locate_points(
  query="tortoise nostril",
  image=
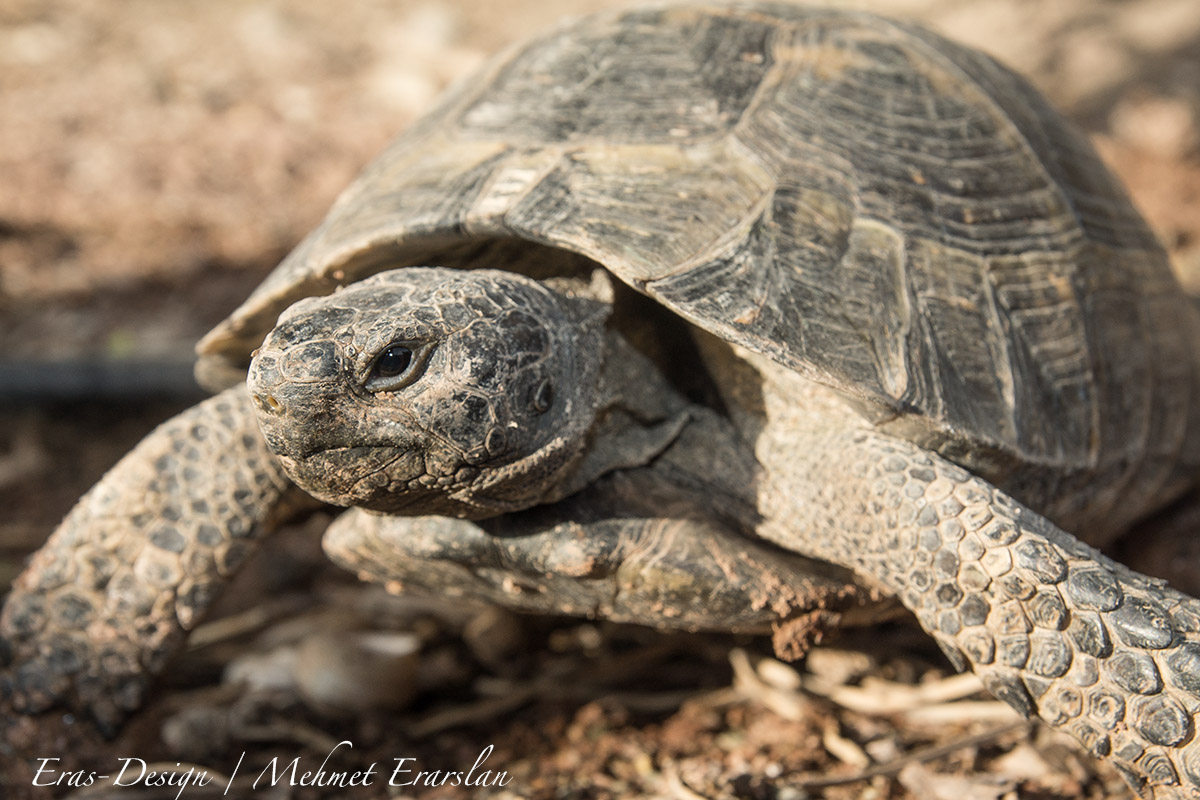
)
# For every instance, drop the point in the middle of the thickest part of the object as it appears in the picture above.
(268, 403)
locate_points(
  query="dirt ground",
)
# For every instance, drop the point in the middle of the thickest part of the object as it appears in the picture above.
(158, 157)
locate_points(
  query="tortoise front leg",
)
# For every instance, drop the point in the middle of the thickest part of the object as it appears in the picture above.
(132, 568)
(674, 572)
(1053, 627)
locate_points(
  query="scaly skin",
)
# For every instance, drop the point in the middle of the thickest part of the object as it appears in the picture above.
(136, 563)
(1052, 626)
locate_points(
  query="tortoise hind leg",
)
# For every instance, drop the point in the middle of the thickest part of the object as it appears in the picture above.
(109, 598)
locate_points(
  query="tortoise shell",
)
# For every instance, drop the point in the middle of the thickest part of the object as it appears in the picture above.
(862, 201)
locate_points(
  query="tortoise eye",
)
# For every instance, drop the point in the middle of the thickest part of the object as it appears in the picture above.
(396, 366)
(392, 362)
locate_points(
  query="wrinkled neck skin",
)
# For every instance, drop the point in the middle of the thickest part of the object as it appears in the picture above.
(636, 418)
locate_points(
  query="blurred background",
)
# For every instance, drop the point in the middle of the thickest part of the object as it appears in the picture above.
(158, 157)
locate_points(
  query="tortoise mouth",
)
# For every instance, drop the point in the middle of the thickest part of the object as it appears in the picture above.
(387, 479)
(354, 475)
(353, 450)
(356, 460)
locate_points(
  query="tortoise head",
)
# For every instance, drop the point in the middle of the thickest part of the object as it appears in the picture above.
(431, 391)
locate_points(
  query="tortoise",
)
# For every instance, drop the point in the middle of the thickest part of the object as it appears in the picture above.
(704, 316)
